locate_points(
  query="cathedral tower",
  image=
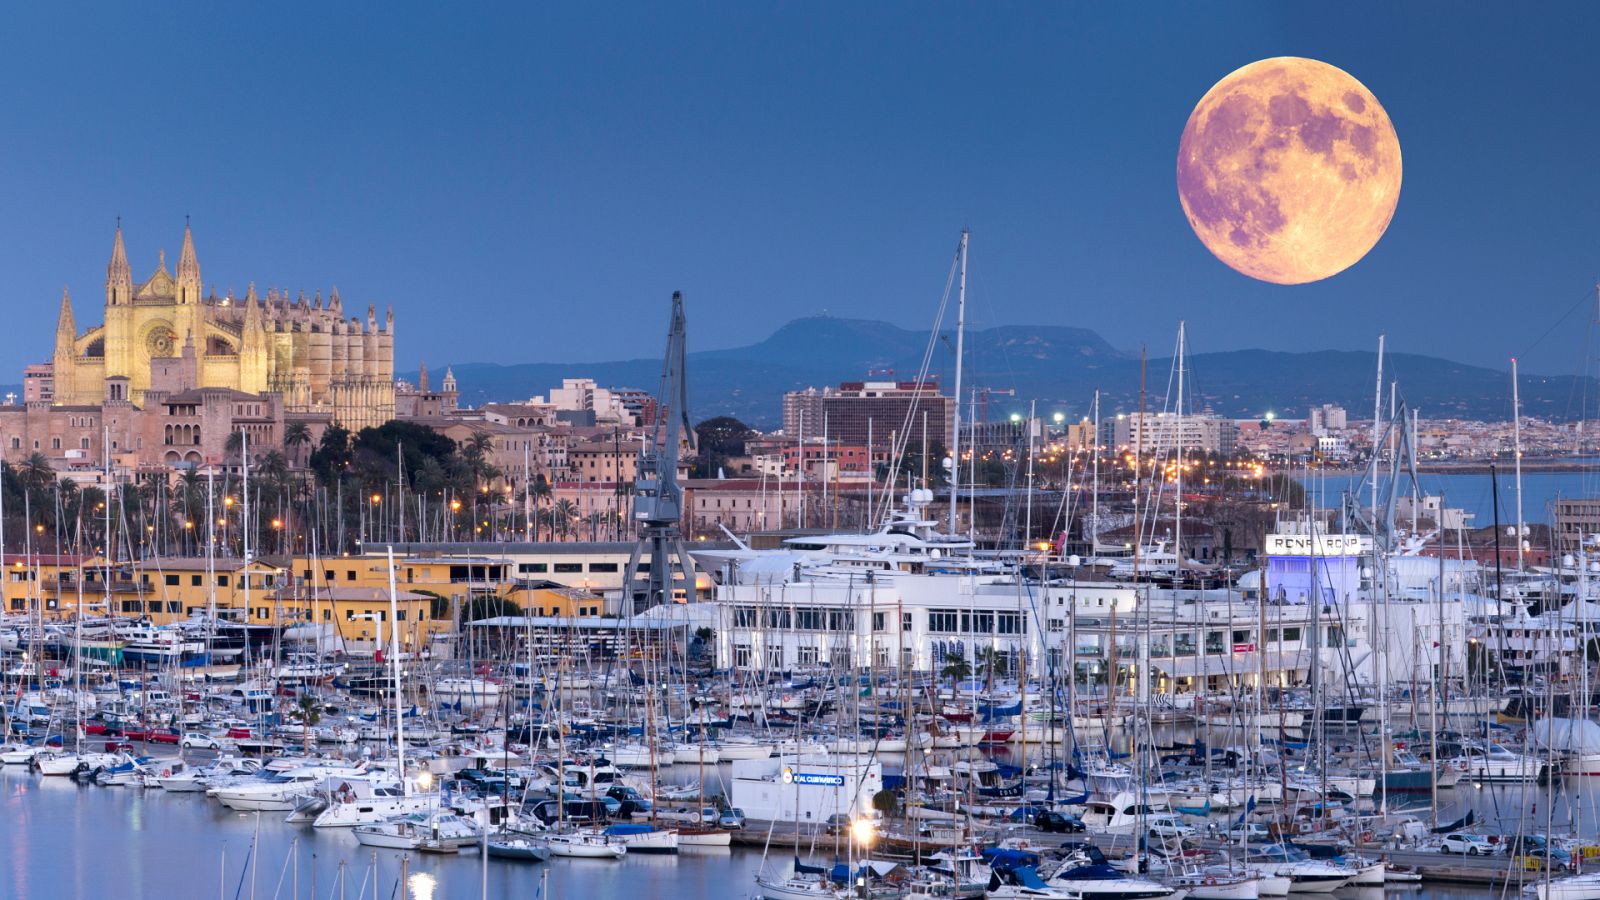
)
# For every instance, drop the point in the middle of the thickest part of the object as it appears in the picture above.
(66, 355)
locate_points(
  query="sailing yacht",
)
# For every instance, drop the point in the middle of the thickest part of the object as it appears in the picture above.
(585, 844)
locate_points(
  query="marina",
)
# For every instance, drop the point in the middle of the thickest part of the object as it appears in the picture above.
(899, 711)
(800, 452)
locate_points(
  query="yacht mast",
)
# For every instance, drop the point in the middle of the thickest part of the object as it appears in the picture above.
(1177, 499)
(394, 675)
(955, 428)
(1516, 454)
(1094, 457)
(1377, 426)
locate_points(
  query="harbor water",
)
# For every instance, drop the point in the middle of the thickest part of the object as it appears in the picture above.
(63, 840)
(1471, 492)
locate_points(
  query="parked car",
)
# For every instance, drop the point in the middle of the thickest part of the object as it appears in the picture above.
(731, 819)
(625, 795)
(574, 811)
(1169, 826)
(1540, 858)
(1050, 820)
(196, 740)
(1254, 832)
(1467, 844)
(838, 823)
(162, 736)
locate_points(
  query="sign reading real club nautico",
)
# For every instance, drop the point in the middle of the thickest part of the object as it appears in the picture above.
(790, 776)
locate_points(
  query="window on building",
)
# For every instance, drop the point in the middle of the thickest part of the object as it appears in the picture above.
(172, 580)
(55, 443)
(349, 574)
(567, 568)
(172, 606)
(602, 567)
(533, 568)
(1291, 634)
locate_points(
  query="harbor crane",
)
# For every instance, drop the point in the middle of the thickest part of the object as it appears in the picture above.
(658, 498)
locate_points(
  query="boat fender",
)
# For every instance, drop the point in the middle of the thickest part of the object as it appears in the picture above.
(1211, 879)
(166, 773)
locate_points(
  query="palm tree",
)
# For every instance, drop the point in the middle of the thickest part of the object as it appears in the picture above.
(310, 715)
(565, 512)
(992, 663)
(296, 437)
(541, 492)
(955, 668)
(37, 474)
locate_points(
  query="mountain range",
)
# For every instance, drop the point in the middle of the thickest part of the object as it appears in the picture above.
(1058, 367)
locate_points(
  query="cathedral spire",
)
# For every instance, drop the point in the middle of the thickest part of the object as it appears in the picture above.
(188, 268)
(65, 326)
(119, 276)
(252, 312)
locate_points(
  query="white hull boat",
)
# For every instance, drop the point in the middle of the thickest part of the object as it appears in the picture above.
(582, 845)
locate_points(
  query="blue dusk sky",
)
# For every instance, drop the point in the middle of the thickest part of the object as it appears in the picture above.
(530, 182)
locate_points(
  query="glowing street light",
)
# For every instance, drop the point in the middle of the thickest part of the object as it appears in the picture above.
(863, 831)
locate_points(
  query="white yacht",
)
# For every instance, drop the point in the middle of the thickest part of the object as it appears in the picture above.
(366, 802)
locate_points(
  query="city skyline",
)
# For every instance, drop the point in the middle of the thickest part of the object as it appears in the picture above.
(777, 164)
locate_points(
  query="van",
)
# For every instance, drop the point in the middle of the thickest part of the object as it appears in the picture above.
(580, 812)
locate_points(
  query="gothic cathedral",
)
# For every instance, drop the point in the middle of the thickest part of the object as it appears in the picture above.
(319, 361)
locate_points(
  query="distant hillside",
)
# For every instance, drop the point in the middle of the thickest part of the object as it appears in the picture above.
(1059, 367)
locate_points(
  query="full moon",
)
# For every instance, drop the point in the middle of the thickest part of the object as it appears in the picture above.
(1289, 170)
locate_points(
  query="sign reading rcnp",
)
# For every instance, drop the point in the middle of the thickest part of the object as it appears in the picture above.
(790, 776)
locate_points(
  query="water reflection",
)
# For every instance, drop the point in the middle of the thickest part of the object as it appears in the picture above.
(421, 885)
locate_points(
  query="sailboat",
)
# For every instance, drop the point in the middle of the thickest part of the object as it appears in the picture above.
(371, 802)
(585, 844)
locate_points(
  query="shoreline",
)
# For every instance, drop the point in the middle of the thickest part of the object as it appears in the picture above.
(1476, 467)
